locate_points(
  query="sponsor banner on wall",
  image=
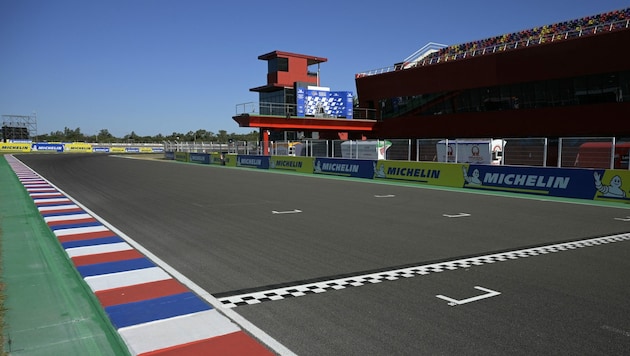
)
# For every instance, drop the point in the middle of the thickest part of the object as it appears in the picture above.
(344, 167)
(291, 163)
(202, 158)
(557, 182)
(15, 147)
(157, 149)
(181, 156)
(132, 149)
(230, 159)
(216, 158)
(261, 162)
(442, 174)
(47, 147)
(611, 185)
(77, 147)
(100, 149)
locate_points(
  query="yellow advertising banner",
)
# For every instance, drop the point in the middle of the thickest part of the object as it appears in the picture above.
(442, 174)
(230, 159)
(292, 163)
(117, 150)
(77, 147)
(15, 147)
(613, 185)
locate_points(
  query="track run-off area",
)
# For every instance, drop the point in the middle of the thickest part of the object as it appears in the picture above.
(334, 266)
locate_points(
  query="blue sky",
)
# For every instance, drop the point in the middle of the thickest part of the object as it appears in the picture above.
(158, 67)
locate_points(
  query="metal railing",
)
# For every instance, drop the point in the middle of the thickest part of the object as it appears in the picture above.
(290, 110)
(565, 152)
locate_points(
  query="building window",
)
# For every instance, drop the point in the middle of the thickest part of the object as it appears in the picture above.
(593, 89)
(278, 65)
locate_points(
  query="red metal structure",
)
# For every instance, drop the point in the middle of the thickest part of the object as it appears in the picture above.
(276, 111)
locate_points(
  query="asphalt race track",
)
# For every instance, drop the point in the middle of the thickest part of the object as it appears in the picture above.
(352, 267)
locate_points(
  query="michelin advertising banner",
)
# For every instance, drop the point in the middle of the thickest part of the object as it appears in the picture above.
(291, 163)
(344, 167)
(47, 147)
(261, 162)
(202, 158)
(442, 174)
(556, 182)
(15, 147)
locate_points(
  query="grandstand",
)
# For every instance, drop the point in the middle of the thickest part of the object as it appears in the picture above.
(566, 79)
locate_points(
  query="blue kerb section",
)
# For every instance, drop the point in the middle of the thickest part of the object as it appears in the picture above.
(92, 242)
(155, 309)
(73, 226)
(98, 269)
(50, 214)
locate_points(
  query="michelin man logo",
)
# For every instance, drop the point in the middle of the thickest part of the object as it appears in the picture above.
(379, 170)
(612, 190)
(472, 179)
(318, 166)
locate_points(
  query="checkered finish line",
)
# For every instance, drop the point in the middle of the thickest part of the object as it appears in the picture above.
(357, 281)
(154, 313)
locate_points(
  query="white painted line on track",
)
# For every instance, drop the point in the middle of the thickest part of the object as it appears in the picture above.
(420, 270)
(460, 215)
(453, 302)
(294, 211)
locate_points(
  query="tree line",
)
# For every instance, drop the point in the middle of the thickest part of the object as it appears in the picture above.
(104, 136)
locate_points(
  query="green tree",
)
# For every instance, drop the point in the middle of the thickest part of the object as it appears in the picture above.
(222, 136)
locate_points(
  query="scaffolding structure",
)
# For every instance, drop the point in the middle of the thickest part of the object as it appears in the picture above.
(17, 128)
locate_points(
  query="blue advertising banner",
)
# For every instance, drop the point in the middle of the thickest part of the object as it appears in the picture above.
(325, 103)
(57, 147)
(300, 95)
(253, 161)
(100, 149)
(132, 149)
(557, 182)
(344, 167)
(203, 158)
